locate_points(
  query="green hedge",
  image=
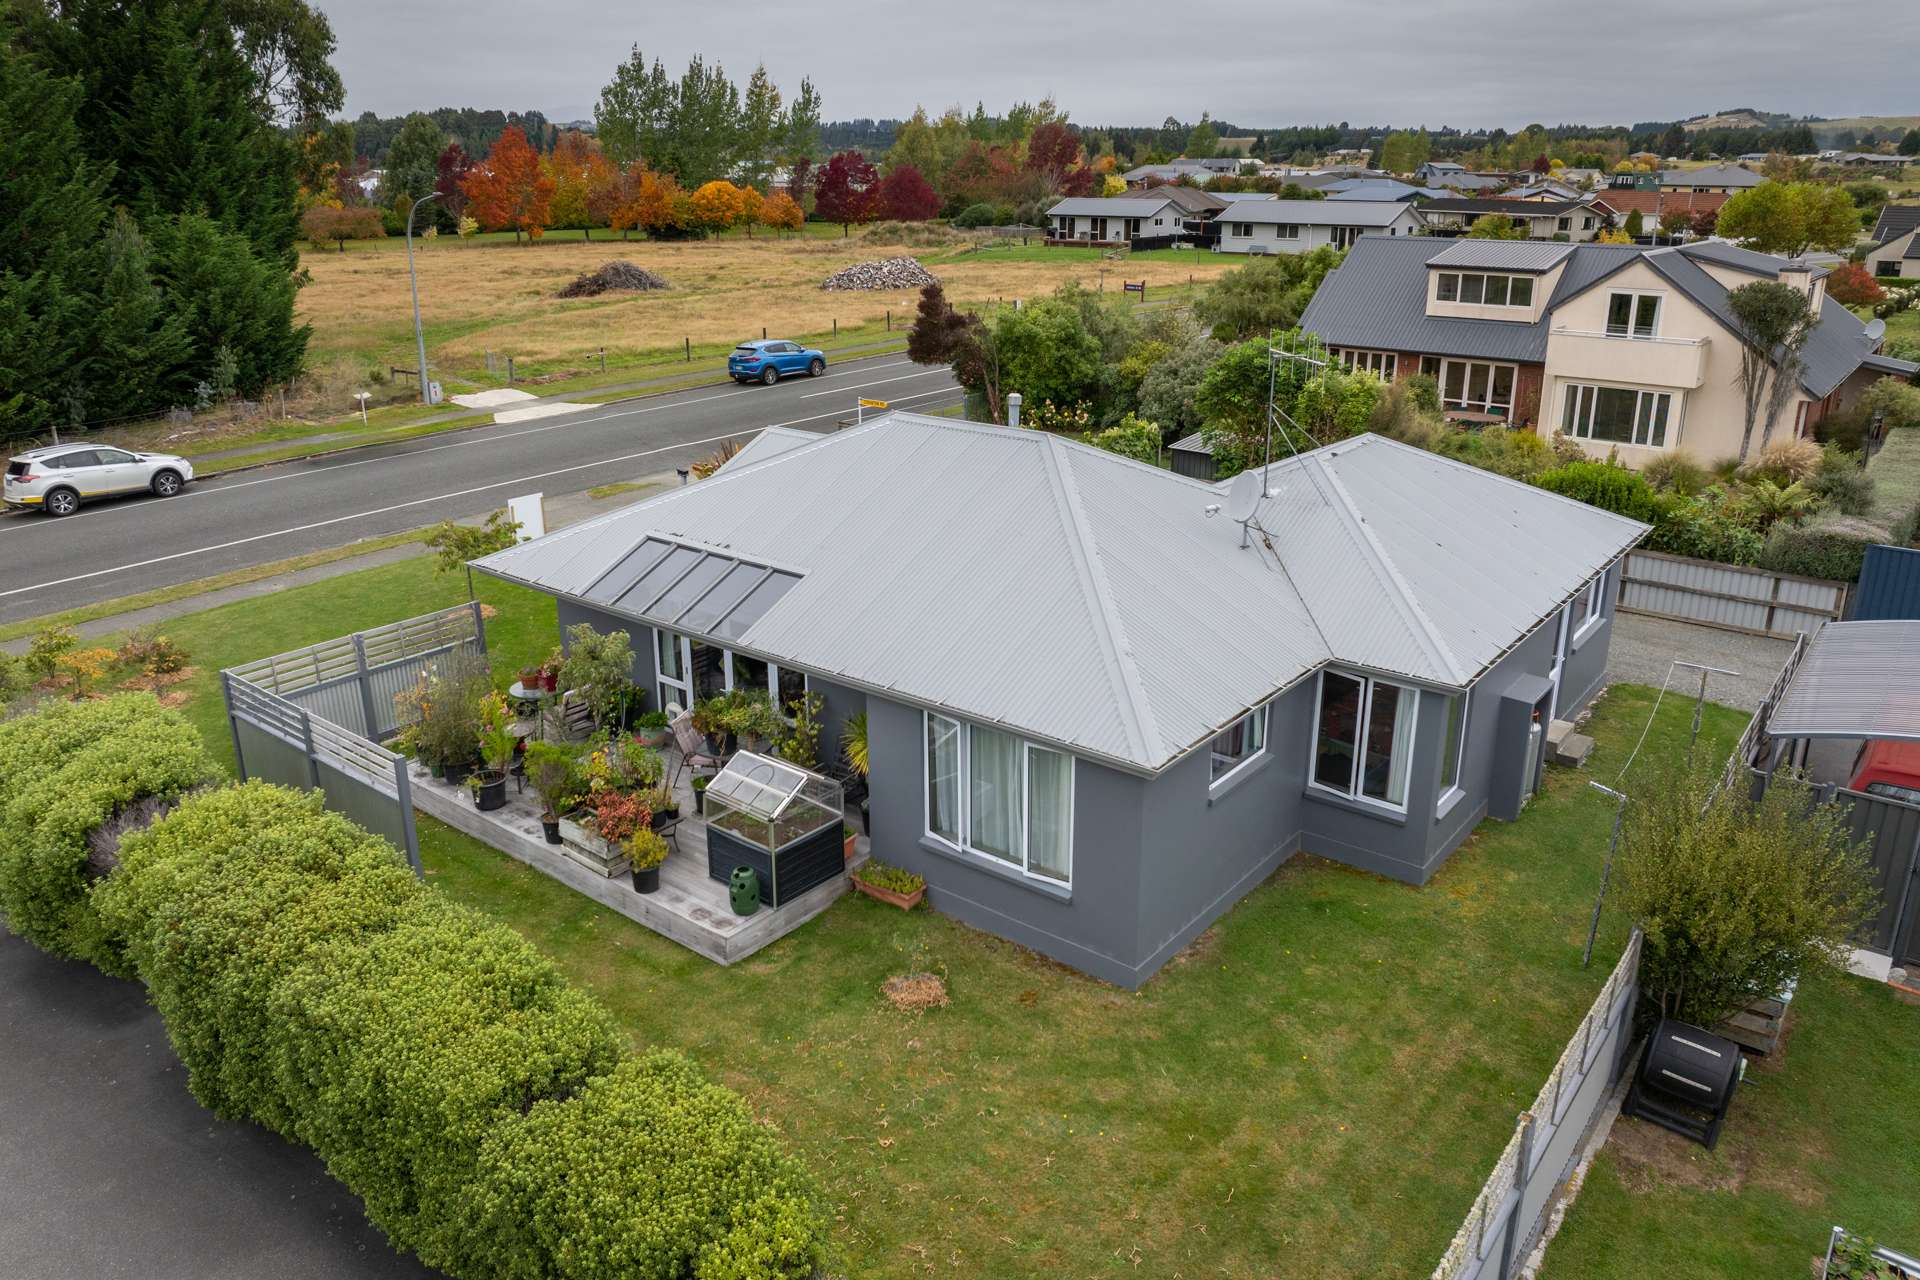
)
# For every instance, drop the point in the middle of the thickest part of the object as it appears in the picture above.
(66, 770)
(1601, 484)
(1827, 546)
(437, 1062)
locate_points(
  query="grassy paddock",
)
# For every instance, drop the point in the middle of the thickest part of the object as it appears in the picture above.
(1315, 1089)
(500, 297)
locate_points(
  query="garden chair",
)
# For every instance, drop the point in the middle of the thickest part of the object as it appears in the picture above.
(691, 746)
(576, 717)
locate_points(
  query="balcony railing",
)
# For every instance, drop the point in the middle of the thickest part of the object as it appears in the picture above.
(1623, 358)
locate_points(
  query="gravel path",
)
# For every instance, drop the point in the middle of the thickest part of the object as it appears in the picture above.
(1643, 649)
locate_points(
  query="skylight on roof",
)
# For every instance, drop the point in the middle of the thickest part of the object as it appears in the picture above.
(710, 592)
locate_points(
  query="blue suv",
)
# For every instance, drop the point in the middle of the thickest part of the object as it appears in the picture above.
(768, 361)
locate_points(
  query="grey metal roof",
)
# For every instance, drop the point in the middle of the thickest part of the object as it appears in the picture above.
(1891, 365)
(1503, 255)
(770, 443)
(1856, 680)
(1109, 206)
(1325, 213)
(1195, 442)
(1377, 299)
(1239, 197)
(1895, 220)
(1190, 199)
(1082, 599)
(1713, 175)
(1467, 181)
(1508, 205)
(1383, 189)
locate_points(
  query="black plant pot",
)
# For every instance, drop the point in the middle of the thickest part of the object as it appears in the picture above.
(491, 793)
(661, 817)
(647, 881)
(457, 771)
(866, 820)
(551, 830)
(700, 800)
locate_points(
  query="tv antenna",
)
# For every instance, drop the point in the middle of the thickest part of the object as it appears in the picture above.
(1305, 353)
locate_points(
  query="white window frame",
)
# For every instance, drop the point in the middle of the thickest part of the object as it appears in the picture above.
(1450, 793)
(964, 799)
(1485, 404)
(1459, 279)
(1633, 313)
(1257, 724)
(1243, 231)
(683, 646)
(1577, 402)
(1356, 792)
(1383, 363)
(1590, 604)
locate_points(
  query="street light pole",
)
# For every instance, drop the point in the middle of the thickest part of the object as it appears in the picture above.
(419, 337)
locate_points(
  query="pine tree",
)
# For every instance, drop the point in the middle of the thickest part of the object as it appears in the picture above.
(141, 348)
(227, 299)
(759, 128)
(52, 206)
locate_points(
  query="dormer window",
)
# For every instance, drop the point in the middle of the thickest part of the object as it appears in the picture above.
(1478, 289)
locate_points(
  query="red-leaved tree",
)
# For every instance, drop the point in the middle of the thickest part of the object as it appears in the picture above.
(1852, 285)
(847, 191)
(450, 172)
(1053, 152)
(511, 188)
(906, 196)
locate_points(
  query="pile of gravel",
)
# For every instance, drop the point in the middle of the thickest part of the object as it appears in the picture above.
(616, 276)
(886, 273)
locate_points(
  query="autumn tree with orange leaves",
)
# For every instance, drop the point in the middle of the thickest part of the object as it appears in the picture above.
(781, 212)
(511, 188)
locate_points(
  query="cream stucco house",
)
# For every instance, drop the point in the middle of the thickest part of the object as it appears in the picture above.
(1627, 350)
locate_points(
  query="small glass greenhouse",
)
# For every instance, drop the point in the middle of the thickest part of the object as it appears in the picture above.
(783, 821)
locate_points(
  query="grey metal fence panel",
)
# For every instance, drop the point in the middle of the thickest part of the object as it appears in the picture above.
(1894, 831)
(314, 718)
(1732, 597)
(1508, 1214)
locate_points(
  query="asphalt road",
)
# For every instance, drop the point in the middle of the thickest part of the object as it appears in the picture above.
(270, 513)
(110, 1169)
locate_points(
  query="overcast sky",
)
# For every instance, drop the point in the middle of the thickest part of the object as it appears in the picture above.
(1257, 62)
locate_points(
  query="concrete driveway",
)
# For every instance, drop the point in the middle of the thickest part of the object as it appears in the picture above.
(109, 1168)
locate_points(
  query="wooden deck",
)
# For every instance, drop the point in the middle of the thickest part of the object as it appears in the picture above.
(690, 907)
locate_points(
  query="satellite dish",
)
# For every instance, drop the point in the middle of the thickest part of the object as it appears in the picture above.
(1243, 498)
(1875, 330)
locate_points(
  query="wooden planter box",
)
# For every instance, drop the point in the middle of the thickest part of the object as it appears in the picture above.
(582, 845)
(904, 901)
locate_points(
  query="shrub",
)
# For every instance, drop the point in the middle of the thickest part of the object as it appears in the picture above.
(1842, 484)
(66, 770)
(883, 875)
(1130, 438)
(600, 669)
(1737, 897)
(1898, 402)
(1601, 484)
(1520, 455)
(1786, 461)
(978, 215)
(1705, 527)
(1676, 472)
(684, 1183)
(152, 652)
(1828, 546)
(43, 654)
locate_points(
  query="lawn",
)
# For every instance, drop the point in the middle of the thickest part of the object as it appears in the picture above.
(499, 296)
(1827, 1134)
(1316, 1088)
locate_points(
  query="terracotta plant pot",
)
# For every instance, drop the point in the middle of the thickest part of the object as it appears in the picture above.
(904, 901)
(847, 849)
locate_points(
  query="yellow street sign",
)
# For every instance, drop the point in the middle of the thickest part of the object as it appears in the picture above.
(873, 404)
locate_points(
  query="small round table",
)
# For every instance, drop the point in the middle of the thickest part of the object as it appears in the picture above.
(540, 699)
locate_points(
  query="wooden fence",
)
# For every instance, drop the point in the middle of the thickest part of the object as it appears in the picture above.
(1731, 597)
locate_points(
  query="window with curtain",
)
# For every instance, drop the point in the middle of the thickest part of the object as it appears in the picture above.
(1238, 743)
(1363, 741)
(999, 796)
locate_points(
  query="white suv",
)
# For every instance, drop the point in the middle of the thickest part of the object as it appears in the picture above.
(59, 478)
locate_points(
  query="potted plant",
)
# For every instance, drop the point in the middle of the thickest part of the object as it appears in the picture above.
(708, 714)
(663, 804)
(616, 815)
(497, 744)
(530, 678)
(553, 771)
(550, 670)
(599, 668)
(847, 847)
(700, 782)
(889, 884)
(651, 729)
(645, 852)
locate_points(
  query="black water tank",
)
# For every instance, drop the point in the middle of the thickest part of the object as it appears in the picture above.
(1686, 1081)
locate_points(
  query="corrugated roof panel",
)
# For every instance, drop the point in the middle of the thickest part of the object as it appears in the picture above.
(1109, 206)
(1089, 601)
(1342, 213)
(1502, 255)
(1856, 680)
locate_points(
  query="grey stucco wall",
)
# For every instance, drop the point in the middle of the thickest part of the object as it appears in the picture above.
(1587, 654)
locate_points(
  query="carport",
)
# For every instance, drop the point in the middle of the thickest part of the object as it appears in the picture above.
(1858, 682)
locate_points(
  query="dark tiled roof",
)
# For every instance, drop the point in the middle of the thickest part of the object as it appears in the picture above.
(1519, 208)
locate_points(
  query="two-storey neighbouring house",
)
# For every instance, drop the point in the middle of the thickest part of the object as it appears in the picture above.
(1625, 349)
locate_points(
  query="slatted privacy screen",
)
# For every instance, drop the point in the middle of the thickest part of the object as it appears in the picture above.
(1507, 1215)
(1731, 597)
(352, 681)
(314, 718)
